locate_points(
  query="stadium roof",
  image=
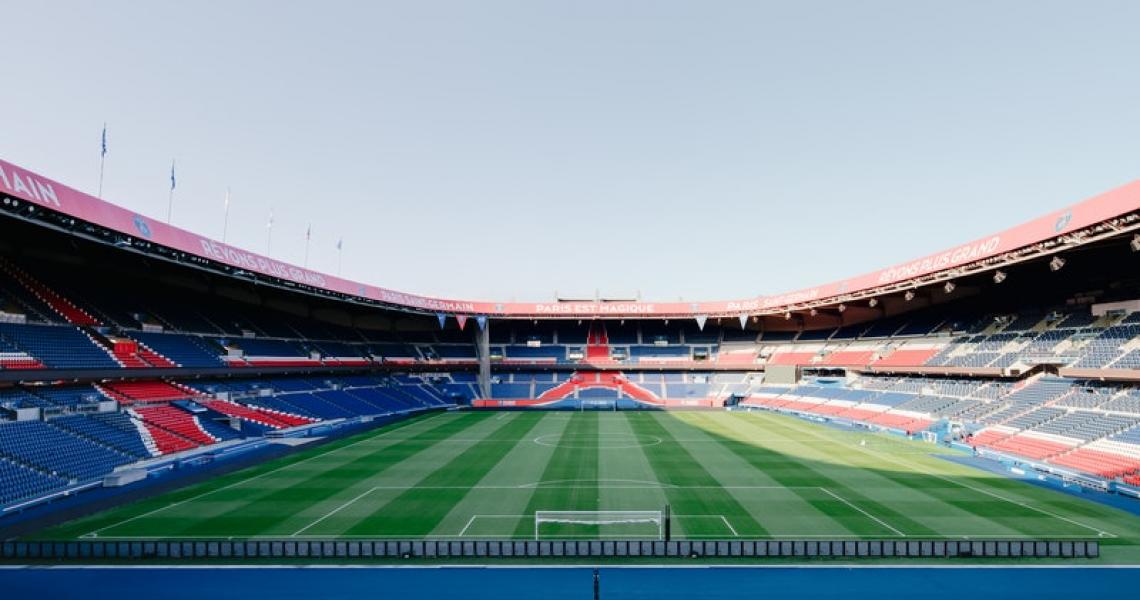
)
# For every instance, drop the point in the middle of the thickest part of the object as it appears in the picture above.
(1107, 215)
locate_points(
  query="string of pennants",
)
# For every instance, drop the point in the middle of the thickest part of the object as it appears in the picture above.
(702, 319)
(461, 320)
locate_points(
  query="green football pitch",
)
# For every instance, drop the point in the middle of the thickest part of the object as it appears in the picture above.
(484, 475)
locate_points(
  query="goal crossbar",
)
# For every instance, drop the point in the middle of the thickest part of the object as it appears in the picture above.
(600, 517)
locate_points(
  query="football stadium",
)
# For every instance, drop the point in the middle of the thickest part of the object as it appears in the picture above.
(978, 404)
(183, 416)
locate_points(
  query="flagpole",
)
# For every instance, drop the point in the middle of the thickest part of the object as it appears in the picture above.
(308, 237)
(269, 234)
(170, 202)
(339, 253)
(226, 219)
(102, 160)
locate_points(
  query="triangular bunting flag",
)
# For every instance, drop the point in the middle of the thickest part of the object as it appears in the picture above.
(462, 320)
(442, 319)
(482, 321)
(701, 321)
(743, 321)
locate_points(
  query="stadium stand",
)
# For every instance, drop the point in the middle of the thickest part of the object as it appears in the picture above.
(1047, 372)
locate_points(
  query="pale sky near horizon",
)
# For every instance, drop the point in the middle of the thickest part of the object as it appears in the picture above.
(503, 150)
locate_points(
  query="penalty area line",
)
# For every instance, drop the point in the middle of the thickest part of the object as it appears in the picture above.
(95, 533)
(955, 480)
(867, 514)
(729, 525)
(333, 512)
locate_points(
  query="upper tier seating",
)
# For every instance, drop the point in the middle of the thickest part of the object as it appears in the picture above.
(58, 347)
(184, 350)
(62, 306)
(269, 348)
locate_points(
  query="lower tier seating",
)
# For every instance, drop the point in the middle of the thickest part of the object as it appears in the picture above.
(52, 450)
(187, 432)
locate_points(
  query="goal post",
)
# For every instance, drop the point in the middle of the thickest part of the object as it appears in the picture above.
(648, 524)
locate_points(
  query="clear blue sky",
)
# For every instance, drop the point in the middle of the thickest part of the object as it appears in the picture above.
(504, 150)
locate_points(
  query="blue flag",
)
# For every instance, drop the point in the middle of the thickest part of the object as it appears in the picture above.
(104, 139)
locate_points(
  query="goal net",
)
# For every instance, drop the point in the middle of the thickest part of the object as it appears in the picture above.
(597, 404)
(643, 524)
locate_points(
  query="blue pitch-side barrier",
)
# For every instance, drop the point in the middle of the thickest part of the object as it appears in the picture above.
(571, 583)
(316, 551)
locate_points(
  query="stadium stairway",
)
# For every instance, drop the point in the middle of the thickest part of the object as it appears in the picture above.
(597, 343)
(133, 354)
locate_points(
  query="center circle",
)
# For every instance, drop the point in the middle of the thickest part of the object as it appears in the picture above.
(606, 441)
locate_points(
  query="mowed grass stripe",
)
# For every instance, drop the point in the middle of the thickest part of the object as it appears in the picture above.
(962, 509)
(369, 487)
(575, 461)
(417, 511)
(274, 504)
(251, 477)
(480, 511)
(921, 504)
(783, 508)
(623, 466)
(889, 471)
(802, 478)
(906, 503)
(673, 465)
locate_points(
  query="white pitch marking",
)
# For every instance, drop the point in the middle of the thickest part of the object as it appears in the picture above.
(625, 483)
(463, 531)
(721, 518)
(1100, 532)
(730, 527)
(869, 515)
(333, 511)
